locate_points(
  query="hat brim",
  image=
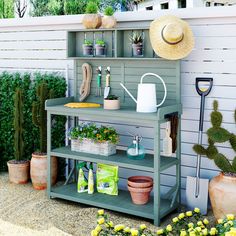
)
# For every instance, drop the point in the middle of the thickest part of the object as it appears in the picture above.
(170, 51)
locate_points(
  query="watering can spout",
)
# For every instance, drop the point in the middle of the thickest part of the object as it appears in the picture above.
(128, 92)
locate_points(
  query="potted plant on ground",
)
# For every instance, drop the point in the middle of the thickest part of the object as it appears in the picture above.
(222, 188)
(108, 20)
(112, 102)
(18, 168)
(92, 20)
(38, 165)
(137, 44)
(100, 47)
(88, 48)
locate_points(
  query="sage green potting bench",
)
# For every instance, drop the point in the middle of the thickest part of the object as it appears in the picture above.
(126, 69)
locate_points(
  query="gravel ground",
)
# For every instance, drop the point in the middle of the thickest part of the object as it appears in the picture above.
(32, 213)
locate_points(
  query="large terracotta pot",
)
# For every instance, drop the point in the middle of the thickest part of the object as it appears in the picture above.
(38, 171)
(18, 171)
(109, 22)
(140, 196)
(92, 21)
(222, 190)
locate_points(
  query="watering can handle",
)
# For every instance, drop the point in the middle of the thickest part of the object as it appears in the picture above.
(164, 85)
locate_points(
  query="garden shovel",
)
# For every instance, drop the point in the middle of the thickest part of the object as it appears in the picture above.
(196, 187)
(108, 77)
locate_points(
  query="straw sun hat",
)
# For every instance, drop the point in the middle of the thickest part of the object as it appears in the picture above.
(171, 37)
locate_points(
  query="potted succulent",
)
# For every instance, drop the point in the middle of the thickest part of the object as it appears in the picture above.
(88, 48)
(108, 20)
(19, 167)
(137, 44)
(92, 20)
(222, 188)
(38, 164)
(112, 102)
(100, 47)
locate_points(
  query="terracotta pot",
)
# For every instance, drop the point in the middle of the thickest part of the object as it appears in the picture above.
(140, 181)
(111, 104)
(137, 49)
(140, 196)
(18, 172)
(222, 191)
(109, 22)
(92, 21)
(38, 171)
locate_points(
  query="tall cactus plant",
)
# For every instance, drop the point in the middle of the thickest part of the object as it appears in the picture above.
(217, 134)
(39, 114)
(18, 125)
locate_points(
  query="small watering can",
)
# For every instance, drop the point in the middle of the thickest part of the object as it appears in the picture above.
(146, 101)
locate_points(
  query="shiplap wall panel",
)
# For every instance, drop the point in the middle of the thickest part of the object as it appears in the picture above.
(42, 46)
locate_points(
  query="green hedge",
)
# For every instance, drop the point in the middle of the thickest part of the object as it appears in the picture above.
(8, 84)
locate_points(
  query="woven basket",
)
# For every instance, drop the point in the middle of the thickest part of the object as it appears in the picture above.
(89, 146)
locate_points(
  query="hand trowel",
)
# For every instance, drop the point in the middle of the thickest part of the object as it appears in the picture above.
(108, 77)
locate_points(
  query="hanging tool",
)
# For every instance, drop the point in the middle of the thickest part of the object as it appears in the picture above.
(108, 77)
(99, 82)
(196, 187)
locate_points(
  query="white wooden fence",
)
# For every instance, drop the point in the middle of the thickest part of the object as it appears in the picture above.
(34, 44)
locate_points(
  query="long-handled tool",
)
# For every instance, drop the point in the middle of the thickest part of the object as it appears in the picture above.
(108, 77)
(196, 187)
(99, 82)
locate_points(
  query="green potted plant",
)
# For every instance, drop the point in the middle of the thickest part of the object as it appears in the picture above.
(222, 188)
(19, 167)
(137, 44)
(88, 48)
(100, 47)
(92, 20)
(112, 102)
(108, 20)
(38, 164)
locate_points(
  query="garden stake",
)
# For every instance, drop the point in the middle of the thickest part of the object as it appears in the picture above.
(196, 188)
(99, 85)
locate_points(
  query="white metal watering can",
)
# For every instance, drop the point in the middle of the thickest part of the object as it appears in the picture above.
(146, 100)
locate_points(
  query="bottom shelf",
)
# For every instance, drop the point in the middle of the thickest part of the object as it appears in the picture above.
(120, 203)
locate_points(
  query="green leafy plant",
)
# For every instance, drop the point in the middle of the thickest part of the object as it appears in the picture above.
(227, 226)
(136, 38)
(88, 42)
(91, 8)
(109, 11)
(100, 42)
(218, 134)
(72, 7)
(111, 97)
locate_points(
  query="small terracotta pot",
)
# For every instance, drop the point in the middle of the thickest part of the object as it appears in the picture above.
(140, 196)
(92, 21)
(18, 172)
(109, 22)
(140, 181)
(111, 104)
(38, 171)
(222, 191)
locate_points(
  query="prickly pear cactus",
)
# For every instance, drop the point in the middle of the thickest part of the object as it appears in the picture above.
(217, 134)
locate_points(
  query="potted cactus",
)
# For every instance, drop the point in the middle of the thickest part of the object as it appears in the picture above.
(112, 102)
(38, 165)
(108, 20)
(92, 20)
(100, 47)
(88, 48)
(19, 167)
(137, 44)
(222, 188)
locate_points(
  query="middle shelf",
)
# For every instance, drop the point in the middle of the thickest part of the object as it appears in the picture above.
(119, 159)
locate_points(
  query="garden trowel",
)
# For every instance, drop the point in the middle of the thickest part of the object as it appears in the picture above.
(196, 187)
(108, 77)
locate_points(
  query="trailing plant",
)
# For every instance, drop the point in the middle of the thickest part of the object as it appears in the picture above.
(91, 8)
(218, 134)
(109, 11)
(111, 97)
(88, 42)
(136, 38)
(100, 42)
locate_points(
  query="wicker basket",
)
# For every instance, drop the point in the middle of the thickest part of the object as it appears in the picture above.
(89, 146)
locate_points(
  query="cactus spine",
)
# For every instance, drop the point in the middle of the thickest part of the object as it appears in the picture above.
(217, 134)
(39, 114)
(18, 125)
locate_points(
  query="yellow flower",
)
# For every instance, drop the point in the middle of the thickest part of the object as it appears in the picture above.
(127, 230)
(205, 221)
(189, 213)
(109, 224)
(199, 223)
(101, 221)
(183, 233)
(175, 220)
(169, 228)
(100, 212)
(142, 226)
(198, 229)
(181, 216)
(213, 231)
(134, 232)
(98, 228)
(197, 210)
(230, 217)
(230, 222)
(94, 233)
(204, 232)
(192, 233)
(220, 221)
(119, 227)
(160, 231)
(190, 225)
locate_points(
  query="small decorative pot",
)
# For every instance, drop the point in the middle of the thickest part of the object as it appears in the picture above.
(222, 191)
(18, 171)
(140, 181)
(92, 21)
(109, 22)
(87, 50)
(140, 196)
(111, 104)
(100, 50)
(137, 49)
